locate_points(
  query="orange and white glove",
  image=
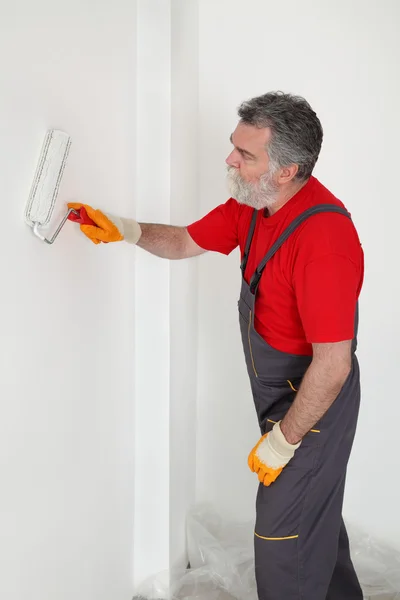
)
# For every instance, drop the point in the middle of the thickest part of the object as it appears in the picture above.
(271, 455)
(107, 228)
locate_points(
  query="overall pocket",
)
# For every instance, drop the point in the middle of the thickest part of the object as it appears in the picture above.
(250, 345)
(245, 328)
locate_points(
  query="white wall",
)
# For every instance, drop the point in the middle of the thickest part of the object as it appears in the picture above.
(184, 277)
(67, 319)
(166, 293)
(152, 330)
(343, 57)
(99, 374)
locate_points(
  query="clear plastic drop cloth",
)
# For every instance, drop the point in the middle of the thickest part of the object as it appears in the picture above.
(377, 566)
(221, 562)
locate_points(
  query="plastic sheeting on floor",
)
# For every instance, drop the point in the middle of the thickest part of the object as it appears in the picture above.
(222, 564)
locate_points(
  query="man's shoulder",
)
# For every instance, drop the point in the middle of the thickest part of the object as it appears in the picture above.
(319, 194)
(326, 231)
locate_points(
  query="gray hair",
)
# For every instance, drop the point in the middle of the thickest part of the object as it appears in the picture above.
(296, 131)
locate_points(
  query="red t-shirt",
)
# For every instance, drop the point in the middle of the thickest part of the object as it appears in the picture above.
(309, 290)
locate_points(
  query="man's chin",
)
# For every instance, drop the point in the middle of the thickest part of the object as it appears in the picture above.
(257, 203)
(248, 202)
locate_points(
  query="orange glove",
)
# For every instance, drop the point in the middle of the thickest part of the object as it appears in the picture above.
(271, 455)
(108, 228)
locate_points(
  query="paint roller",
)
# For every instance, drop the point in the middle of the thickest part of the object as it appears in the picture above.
(43, 196)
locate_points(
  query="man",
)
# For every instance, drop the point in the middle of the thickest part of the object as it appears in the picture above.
(302, 272)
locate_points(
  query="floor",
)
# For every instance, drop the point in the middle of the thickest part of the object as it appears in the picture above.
(206, 594)
(187, 594)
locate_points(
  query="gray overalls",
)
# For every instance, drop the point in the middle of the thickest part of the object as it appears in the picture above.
(301, 544)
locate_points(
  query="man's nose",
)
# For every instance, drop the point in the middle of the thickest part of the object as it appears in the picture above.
(233, 160)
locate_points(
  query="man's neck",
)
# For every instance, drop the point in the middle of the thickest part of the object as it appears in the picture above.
(284, 197)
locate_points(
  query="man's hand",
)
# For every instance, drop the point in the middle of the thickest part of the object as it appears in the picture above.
(107, 228)
(271, 455)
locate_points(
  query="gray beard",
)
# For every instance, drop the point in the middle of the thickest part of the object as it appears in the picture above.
(260, 195)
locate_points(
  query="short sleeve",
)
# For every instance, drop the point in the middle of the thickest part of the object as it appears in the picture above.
(218, 230)
(327, 292)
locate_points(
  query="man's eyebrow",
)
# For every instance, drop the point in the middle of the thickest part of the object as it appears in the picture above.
(241, 150)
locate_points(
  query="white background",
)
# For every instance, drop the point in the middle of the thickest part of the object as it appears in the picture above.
(123, 389)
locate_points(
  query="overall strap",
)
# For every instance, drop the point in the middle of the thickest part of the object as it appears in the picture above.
(314, 210)
(250, 234)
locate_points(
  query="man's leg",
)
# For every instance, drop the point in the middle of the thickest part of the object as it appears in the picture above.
(298, 537)
(298, 528)
(344, 576)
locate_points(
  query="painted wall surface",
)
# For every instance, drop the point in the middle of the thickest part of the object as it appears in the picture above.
(343, 57)
(184, 277)
(152, 307)
(67, 311)
(99, 374)
(165, 292)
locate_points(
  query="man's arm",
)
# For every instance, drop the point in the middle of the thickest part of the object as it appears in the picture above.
(216, 232)
(329, 369)
(168, 241)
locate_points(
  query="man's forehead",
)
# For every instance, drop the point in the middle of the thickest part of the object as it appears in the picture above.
(248, 135)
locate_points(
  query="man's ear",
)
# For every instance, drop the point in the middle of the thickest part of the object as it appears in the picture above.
(286, 174)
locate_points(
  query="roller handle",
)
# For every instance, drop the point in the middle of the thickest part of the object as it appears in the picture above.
(80, 216)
